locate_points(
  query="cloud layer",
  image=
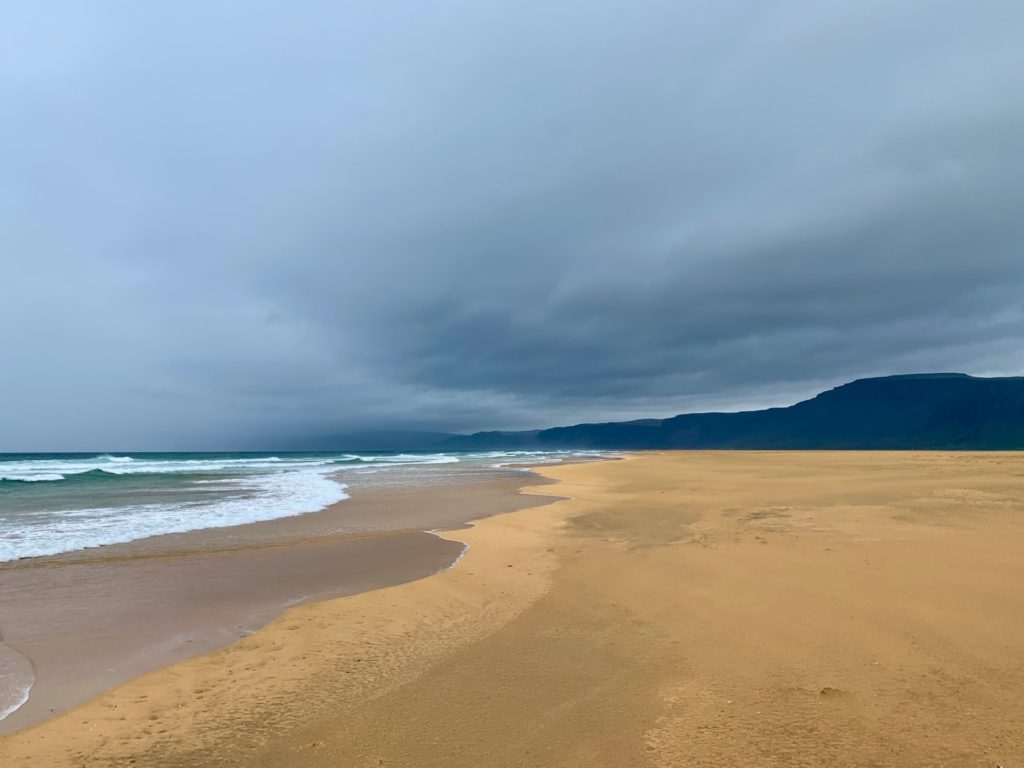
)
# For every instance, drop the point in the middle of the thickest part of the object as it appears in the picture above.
(224, 228)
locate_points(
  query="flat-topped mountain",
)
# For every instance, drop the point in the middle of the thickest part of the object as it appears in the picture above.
(950, 411)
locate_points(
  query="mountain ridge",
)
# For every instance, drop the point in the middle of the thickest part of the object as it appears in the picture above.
(936, 411)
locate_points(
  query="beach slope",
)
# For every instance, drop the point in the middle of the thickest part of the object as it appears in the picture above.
(679, 609)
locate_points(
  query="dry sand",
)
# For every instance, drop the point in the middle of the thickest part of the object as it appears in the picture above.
(683, 609)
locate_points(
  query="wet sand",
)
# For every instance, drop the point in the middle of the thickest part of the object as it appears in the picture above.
(684, 609)
(77, 624)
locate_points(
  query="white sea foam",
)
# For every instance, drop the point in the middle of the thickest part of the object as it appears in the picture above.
(18, 678)
(21, 694)
(45, 469)
(214, 491)
(260, 497)
(42, 470)
(411, 458)
(458, 559)
(37, 477)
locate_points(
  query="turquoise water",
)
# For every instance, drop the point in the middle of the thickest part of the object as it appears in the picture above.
(62, 502)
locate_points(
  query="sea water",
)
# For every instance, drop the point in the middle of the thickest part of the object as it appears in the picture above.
(55, 503)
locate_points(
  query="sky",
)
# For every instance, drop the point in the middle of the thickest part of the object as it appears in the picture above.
(224, 225)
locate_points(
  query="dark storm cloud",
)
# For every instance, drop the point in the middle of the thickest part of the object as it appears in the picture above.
(222, 226)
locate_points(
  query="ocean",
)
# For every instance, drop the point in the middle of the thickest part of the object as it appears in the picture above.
(52, 503)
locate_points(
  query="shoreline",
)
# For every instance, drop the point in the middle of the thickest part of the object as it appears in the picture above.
(257, 570)
(700, 608)
(66, 740)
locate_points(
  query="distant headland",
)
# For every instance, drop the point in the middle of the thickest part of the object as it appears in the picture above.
(923, 411)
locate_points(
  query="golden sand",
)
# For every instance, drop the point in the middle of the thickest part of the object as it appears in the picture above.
(682, 609)
(88, 621)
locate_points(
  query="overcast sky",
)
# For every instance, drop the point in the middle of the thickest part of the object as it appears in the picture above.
(224, 223)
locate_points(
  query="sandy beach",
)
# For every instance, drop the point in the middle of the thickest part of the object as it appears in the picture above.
(77, 624)
(677, 609)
